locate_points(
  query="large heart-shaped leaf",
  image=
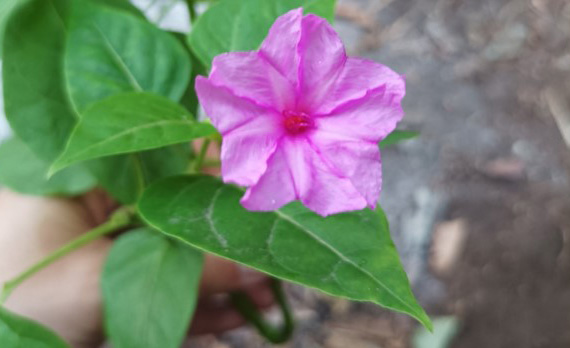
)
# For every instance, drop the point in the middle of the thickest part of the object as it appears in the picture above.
(37, 104)
(131, 55)
(231, 25)
(130, 122)
(110, 51)
(150, 287)
(349, 255)
(19, 332)
(35, 98)
(22, 171)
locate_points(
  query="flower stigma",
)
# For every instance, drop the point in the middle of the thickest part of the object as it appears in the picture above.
(297, 122)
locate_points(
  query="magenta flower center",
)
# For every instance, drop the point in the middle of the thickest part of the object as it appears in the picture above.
(297, 122)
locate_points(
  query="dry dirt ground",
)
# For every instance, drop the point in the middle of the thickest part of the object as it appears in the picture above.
(489, 89)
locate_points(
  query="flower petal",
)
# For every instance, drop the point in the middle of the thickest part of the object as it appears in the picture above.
(356, 160)
(330, 193)
(250, 132)
(228, 111)
(322, 59)
(370, 118)
(248, 74)
(358, 76)
(245, 151)
(297, 171)
(280, 45)
(274, 189)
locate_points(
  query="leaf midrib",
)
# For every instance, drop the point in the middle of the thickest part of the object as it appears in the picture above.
(321, 241)
(343, 258)
(119, 60)
(125, 132)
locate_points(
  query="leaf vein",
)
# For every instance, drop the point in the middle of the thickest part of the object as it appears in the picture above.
(127, 131)
(209, 212)
(119, 60)
(344, 258)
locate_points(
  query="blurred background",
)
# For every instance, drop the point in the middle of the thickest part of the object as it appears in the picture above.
(479, 203)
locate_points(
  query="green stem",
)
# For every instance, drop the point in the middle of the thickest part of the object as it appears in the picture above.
(191, 10)
(211, 163)
(119, 219)
(197, 164)
(247, 308)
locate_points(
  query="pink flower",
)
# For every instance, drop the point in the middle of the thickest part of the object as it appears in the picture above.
(300, 120)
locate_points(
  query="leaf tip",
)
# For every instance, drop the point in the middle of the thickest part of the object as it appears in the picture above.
(425, 320)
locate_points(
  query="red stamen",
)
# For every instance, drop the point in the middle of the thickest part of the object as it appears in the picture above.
(297, 122)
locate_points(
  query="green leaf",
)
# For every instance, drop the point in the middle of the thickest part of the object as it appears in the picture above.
(35, 98)
(22, 171)
(110, 51)
(36, 101)
(150, 287)
(349, 255)
(231, 25)
(126, 176)
(6, 8)
(130, 122)
(190, 99)
(19, 332)
(163, 162)
(124, 5)
(131, 55)
(397, 136)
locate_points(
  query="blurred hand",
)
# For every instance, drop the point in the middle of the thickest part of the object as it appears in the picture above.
(65, 296)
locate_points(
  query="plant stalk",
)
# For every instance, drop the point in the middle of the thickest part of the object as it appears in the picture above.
(199, 161)
(121, 218)
(249, 311)
(191, 10)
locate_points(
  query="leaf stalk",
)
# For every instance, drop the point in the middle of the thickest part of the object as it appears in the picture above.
(121, 218)
(191, 10)
(249, 311)
(199, 161)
